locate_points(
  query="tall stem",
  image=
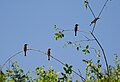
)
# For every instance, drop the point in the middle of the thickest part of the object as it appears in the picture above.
(102, 51)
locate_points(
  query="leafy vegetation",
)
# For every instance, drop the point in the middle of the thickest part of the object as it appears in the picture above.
(94, 71)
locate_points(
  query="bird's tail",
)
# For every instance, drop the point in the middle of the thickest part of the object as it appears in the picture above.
(25, 53)
(75, 33)
(49, 58)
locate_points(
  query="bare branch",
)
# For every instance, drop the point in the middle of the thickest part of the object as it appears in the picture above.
(102, 8)
(91, 11)
(102, 51)
(10, 59)
(93, 27)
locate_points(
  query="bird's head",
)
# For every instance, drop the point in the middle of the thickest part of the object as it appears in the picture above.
(76, 24)
(25, 44)
(49, 49)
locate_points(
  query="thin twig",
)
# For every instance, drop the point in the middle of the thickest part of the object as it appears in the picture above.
(85, 40)
(102, 8)
(80, 74)
(72, 30)
(63, 29)
(10, 59)
(102, 51)
(83, 31)
(93, 27)
(91, 11)
(38, 51)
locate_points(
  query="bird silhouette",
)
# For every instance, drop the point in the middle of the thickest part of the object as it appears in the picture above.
(48, 53)
(25, 49)
(76, 29)
(94, 21)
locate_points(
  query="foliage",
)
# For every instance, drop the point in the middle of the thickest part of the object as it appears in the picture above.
(15, 75)
(59, 34)
(93, 71)
(85, 50)
(67, 75)
(95, 74)
(86, 3)
(46, 76)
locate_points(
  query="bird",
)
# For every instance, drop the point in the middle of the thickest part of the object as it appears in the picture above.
(25, 49)
(94, 21)
(76, 29)
(48, 53)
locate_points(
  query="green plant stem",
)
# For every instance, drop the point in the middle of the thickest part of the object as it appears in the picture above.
(102, 51)
(72, 70)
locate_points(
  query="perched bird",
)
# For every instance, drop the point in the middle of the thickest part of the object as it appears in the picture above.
(48, 53)
(94, 21)
(76, 29)
(25, 49)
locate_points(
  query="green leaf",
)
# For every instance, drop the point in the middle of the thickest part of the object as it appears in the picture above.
(66, 65)
(64, 45)
(87, 46)
(62, 30)
(37, 69)
(88, 51)
(77, 48)
(84, 60)
(62, 35)
(84, 51)
(69, 42)
(64, 68)
(70, 66)
(59, 35)
(98, 61)
(55, 26)
(86, 3)
(21, 70)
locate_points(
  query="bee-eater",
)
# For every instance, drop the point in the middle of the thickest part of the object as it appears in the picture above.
(25, 49)
(76, 29)
(48, 53)
(94, 21)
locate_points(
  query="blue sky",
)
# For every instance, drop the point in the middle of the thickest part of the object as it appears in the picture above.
(32, 21)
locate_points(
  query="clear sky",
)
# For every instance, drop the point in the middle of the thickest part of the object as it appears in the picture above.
(32, 22)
